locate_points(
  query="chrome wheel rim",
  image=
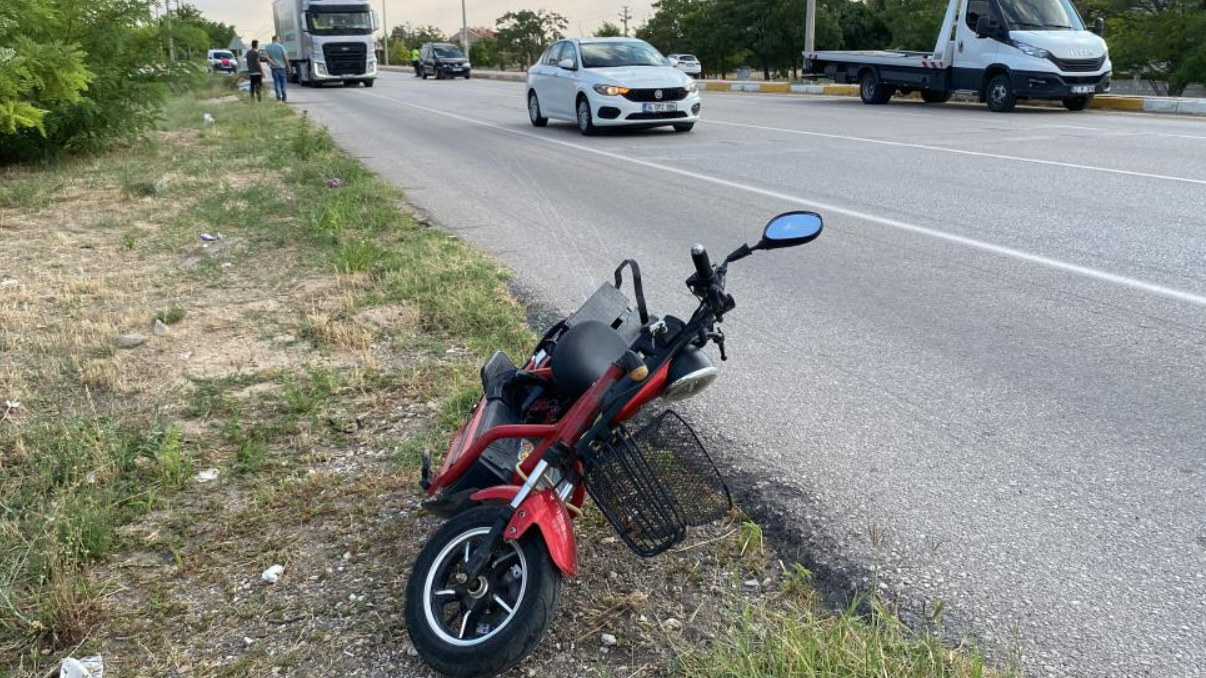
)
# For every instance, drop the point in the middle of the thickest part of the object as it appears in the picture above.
(998, 94)
(464, 613)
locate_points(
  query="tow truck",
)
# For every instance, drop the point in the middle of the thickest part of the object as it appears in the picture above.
(1004, 51)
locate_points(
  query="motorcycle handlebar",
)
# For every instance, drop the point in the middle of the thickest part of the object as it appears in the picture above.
(703, 265)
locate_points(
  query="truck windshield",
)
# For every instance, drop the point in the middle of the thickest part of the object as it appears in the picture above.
(1040, 15)
(341, 23)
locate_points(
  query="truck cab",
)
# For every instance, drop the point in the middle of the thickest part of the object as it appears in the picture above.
(328, 41)
(1002, 50)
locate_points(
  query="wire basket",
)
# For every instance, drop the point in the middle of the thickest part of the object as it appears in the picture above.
(654, 484)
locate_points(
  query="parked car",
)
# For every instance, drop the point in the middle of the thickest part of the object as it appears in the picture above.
(607, 82)
(687, 63)
(222, 61)
(443, 60)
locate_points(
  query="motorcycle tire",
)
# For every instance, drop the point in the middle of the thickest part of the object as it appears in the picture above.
(511, 605)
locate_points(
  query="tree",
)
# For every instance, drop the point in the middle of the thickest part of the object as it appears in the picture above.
(1161, 41)
(486, 52)
(608, 30)
(38, 71)
(414, 36)
(525, 34)
(218, 34)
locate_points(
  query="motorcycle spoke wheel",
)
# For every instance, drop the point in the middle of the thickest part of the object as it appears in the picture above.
(468, 613)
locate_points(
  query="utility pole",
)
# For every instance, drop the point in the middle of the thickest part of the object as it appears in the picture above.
(167, 13)
(810, 27)
(464, 30)
(385, 34)
(625, 16)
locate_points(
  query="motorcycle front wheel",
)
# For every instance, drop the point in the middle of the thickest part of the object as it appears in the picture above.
(468, 629)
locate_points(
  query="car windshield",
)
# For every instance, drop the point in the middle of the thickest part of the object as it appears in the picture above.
(614, 54)
(448, 52)
(341, 23)
(223, 55)
(1041, 15)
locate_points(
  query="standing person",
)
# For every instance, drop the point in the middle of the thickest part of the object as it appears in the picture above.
(255, 71)
(278, 61)
(414, 60)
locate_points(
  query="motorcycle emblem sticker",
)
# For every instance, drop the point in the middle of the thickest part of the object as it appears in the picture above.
(526, 448)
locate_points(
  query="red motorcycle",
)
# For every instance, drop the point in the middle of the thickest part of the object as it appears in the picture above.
(485, 586)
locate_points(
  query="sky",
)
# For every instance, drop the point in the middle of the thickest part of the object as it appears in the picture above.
(253, 18)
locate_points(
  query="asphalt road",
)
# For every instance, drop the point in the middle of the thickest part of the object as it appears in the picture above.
(988, 374)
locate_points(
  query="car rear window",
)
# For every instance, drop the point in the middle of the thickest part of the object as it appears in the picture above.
(223, 55)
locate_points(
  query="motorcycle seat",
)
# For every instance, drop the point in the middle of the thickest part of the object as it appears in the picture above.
(583, 354)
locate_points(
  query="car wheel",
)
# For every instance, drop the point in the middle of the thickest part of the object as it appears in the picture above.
(423, 72)
(684, 127)
(534, 115)
(586, 121)
(1078, 103)
(999, 94)
(872, 91)
(466, 76)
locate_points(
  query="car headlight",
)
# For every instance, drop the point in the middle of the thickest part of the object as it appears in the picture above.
(1030, 50)
(611, 90)
(691, 87)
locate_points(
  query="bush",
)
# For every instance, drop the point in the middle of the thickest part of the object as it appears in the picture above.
(76, 76)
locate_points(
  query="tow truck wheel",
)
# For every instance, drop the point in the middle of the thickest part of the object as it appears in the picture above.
(999, 94)
(931, 96)
(872, 91)
(1078, 103)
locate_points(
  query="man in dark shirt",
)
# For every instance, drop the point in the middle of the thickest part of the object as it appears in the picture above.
(255, 72)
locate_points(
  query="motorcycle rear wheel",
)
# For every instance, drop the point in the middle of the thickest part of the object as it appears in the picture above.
(467, 630)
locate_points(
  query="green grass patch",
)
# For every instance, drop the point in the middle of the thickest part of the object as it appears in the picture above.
(790, 640)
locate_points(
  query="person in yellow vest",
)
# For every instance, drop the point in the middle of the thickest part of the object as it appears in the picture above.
(414, 60)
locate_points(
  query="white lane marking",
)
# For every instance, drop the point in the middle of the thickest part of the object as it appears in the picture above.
(959, 151)
(1068, 267)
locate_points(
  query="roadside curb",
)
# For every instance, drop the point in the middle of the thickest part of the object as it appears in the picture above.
(1158, 105)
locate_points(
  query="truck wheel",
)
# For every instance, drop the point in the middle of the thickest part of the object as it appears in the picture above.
(933, 96)
(1078, 103)
(1000, 95)
(872, 91)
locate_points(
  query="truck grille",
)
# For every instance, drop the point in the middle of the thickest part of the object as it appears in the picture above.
(344, 58)
(668, 94)
(1078, 65)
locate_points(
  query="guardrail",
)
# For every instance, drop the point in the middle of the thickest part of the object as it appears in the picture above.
(1134, 104)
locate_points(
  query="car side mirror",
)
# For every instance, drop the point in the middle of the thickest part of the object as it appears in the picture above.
(790, 229)
(566, 64)
(987, 26)
(1098, 26)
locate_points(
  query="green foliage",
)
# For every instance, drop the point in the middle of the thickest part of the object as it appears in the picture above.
(413, 37)
(608, 30)
(1162, 41)
(526, 33)
(77, 76)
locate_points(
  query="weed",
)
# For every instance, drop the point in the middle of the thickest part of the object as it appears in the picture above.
(797, 580)
(357, 256)
(750, 538)
(309, 142)
(171, 316)
(249, 456)
(129, 240)
(303, 397)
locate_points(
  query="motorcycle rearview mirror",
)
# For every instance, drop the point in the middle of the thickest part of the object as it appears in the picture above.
(790, 229)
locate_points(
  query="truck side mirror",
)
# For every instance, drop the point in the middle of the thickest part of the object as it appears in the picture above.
(987, 26)
(1098, 26)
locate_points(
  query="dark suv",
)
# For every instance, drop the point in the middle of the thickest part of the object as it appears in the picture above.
(443, 60)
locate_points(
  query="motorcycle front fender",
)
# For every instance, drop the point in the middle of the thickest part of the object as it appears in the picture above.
(544, 509)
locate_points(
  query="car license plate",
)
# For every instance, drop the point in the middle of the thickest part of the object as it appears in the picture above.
(1083, 89)
(659, 108)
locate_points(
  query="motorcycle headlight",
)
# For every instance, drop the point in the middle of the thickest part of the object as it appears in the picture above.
(690, 372)
(611, 90)
(691, 87)
(1030, 50)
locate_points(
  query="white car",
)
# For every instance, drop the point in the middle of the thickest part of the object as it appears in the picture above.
(610, 82)
(687, 63)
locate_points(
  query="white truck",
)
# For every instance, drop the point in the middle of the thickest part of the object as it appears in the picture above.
(328, 40)
(1002, 50)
